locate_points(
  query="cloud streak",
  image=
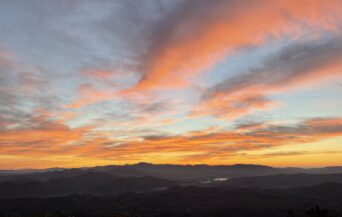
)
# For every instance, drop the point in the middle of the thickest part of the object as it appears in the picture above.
(296, 66)
(199, 147)
(198, 34)
(99, 82)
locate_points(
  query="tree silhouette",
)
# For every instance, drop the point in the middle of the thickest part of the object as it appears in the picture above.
(312, 212)
(318, 212)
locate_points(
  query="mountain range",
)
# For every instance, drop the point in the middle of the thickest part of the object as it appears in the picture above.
(144, 189)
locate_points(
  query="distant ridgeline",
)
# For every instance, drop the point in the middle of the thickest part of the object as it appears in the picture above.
(172, 190)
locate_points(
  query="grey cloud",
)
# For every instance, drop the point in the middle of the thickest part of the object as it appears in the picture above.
(307, 128)
(249, 125)
(21, 93)
(281, 68)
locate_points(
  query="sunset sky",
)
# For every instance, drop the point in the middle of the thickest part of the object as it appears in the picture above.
(85, 83)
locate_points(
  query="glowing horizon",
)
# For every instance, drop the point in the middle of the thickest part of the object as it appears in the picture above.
(88, 83)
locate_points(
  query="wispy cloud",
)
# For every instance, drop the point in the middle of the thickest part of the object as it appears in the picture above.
(296, 66)
(186, 43)
(124, 81)
(204, 146)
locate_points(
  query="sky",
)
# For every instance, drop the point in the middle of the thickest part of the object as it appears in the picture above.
(99, 82)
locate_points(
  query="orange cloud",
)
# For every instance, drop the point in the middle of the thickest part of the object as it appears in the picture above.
(195, 147)
(294, 67)
(41, 134)
(200, 35)
(232, 106)
(89, 94)
(99, 74)
(205, 146)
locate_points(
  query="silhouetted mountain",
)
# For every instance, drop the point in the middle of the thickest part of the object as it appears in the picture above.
(170, 171)
(42, 175)
(90, 182)
(185, 201)
(333, 169)
(149, 190)
(281, 180)
(185, 173)
(46, 175)
(27, 171)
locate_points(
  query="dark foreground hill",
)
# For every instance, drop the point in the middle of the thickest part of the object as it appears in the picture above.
(100, 183)
(148, 190)
(96, 183)
(184, 201)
